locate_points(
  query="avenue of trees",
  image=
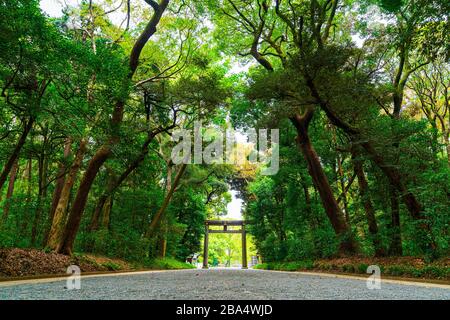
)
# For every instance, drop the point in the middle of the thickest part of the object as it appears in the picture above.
(358, 89)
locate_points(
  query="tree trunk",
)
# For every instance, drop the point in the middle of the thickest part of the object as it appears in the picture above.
(59, 218)
(76, 212)
(162, 240)
(368, 206)
(392, 173)
(97, 212)
(343, 188)
(334, 213)
(347, 243)
(28, 176)
(447, 142)
(307, 199)
(395, 246)
(395, 180)
(42, 194)
(106, 213)
(162, 247)
(412, 204)
(158, 216)
(12, 159)
(115, 183)
(58, 187)
(448, 153)
(10, 191)
(102, 200)
(61, 178)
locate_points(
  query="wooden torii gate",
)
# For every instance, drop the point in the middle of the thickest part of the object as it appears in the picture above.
(225, 229)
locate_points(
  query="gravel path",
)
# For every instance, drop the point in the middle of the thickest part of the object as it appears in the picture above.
(220, 284)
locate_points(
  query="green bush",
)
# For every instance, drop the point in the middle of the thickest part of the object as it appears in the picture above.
(417, 273)
(430, 271)
(167, 263)
(261, 266)
(111, 266)
(395, 270)
(362, 268)
(436, 271)
(286, 266)
(348, 268)
(307, 265)
(291, 266)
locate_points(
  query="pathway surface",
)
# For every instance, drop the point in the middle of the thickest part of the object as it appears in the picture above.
(220, 284)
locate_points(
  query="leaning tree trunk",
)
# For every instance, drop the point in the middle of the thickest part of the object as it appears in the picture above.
(10, 191)
(102, 200)
(395, 179)
(104, 152)
(59, 218)
(15, 154)
(392, 173)
(308, 205)
(448, 153)
(162, 240)
(334, 213)
(115, 183)
(447, 141)
(343, 188)
(61, 178)
(347, 242)
(395, 245)
(61, 174)
(414, 207)
(28, 176)
(368, 206)
(162, 246)
(42, 194)
(106, 213)
(79, 204)
(96, 215)
(159, 215)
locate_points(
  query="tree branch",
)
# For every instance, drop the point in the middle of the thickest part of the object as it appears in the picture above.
(153, 3)
(149, 31)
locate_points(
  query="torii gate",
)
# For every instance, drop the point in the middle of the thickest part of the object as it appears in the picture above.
(225, 224)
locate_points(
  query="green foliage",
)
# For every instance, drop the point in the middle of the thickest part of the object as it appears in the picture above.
(287, 266)
(167, 263)
(428, 271)
(111, 266)
(362, 268)
(393, 6)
